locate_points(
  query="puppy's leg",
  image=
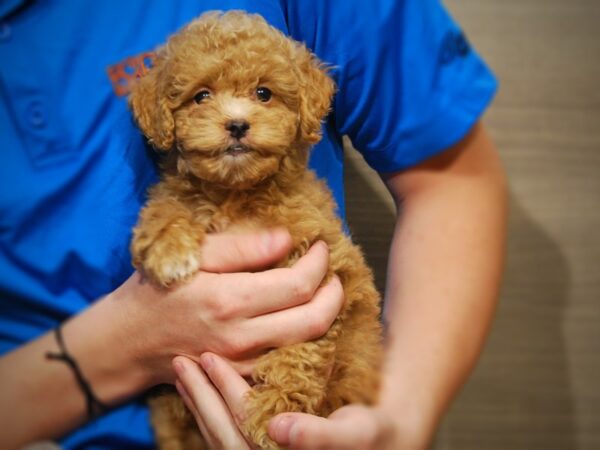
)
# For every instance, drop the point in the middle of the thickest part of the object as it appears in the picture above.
(358, 356)
(174, 426)
(290, 379)
(166, 242)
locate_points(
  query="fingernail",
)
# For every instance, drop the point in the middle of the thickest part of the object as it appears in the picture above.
(181, 389)
(281, 429)
(322, 244)
(178, 366)
(207, 361)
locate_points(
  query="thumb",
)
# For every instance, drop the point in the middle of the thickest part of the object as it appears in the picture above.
(302, 431)
(244, 251)
(350, 427)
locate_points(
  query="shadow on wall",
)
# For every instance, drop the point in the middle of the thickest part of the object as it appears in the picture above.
(520, 395)
(370, 213)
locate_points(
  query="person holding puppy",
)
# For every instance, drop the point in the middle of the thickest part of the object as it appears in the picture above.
(410, 94)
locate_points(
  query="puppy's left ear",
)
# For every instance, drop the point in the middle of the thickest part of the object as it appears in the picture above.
(151, 111)
(316, 93)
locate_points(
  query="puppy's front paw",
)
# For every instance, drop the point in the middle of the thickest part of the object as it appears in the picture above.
(165, 266)
(173, 256)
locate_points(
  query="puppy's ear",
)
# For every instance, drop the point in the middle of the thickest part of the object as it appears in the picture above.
(316, 92)
(151, 111)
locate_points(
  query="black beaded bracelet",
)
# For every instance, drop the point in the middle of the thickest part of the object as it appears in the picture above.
(94, 406)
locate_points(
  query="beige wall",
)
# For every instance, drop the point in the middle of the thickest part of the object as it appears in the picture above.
(538, 383)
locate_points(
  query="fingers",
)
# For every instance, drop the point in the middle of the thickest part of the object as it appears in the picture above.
(277, 289)
(302, 323)
(211, 412)
(299, 431)
(217, 403)
(250, 312)
(235, 252)
(230, 384)
(356, 427)
(289, 326)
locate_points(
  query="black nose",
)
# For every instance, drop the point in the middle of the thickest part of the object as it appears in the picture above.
(237, 128)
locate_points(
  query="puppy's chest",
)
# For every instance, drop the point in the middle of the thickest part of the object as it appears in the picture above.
(298, 214)
(232, 215)
(221, 221)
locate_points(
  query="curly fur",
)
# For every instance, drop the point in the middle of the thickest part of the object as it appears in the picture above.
(206, 188)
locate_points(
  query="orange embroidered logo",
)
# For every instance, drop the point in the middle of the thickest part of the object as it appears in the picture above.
(123, 73)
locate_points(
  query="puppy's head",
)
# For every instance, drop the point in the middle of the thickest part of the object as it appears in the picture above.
(235, 98)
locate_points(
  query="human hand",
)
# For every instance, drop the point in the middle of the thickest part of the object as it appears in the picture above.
(348, 428)
(215, 395)
(226, 309)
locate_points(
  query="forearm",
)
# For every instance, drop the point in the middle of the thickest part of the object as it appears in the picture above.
(126, 341)
(443, 279)
(40, 398)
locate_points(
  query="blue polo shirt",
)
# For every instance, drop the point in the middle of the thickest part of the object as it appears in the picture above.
(74, 169)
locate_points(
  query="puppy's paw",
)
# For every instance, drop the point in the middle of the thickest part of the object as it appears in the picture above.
(166, 267)
(173, 256)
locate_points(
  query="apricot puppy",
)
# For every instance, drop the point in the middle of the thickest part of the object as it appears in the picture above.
(235, 106)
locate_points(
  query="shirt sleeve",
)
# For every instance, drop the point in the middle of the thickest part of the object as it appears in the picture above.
(409, 83)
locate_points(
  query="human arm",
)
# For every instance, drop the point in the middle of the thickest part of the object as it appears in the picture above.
(443, 279)
(124, 342)
(444, 274)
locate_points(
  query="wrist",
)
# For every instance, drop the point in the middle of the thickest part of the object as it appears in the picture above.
(404, 431)
(413, 417)
(103, 345)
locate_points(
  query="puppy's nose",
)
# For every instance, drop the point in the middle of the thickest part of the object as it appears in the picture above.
(237, 128)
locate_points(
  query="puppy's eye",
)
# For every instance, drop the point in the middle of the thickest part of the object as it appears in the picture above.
(202, 95)
(263, 94)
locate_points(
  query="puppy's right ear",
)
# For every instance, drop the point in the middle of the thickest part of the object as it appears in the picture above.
(151, 111)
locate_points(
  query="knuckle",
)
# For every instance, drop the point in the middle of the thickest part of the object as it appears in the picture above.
(239, 415)
(244, 297)
(369, 436)
(214, 305)
(371, 431)
(205, 291)
(235, 345)
(301, 289)
(318, 326)
(222, 305)
(224, 310)
(249, 342)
